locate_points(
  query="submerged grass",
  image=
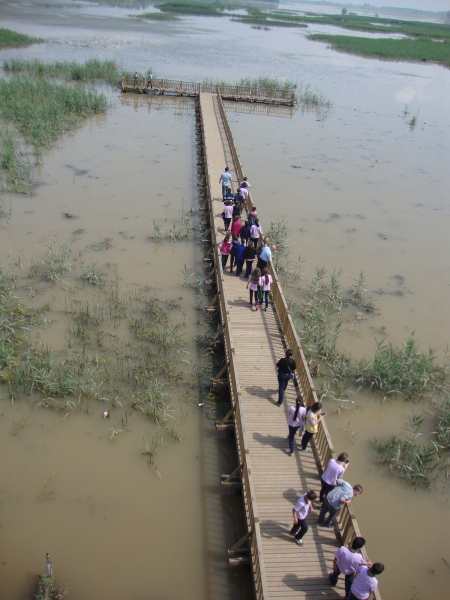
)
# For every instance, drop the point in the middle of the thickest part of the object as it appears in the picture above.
(42, 111)
(161, 16)
(418, 462)
(405, 49)
(12, 39)
(90, 71)
(209, 9)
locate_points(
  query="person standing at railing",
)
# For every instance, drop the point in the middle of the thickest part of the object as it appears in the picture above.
(345, 561)
(300, 512)
(245, 182)
(265, 258)
(286, 367)
(225, 179)
(136, 76)
(366, 581)
(334, 471)
(335, 500)
(150, 80)
(296, 419)
(313, 418)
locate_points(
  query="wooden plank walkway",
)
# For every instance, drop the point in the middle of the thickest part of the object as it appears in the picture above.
(279, 479)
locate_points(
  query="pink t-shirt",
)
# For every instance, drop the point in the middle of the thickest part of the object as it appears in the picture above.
(236, 227)
(333, 472)
(253, 286)
(302, 508)
(347, 561)
(364, 584)
(301, 415)
(228, 210)
(262, 282)
(225, 247)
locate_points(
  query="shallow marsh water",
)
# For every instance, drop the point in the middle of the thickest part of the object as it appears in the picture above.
(365, 193)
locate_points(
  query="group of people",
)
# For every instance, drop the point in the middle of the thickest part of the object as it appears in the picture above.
(242, 243)
(335, 492)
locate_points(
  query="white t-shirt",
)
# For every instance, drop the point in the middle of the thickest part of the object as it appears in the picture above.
(262, 282)
(364, 584)
(302, 508)
(347, 561)
(301, 415)
(228, 210)
(333, 472)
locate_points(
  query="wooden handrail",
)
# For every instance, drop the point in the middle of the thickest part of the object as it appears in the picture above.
(348, 526)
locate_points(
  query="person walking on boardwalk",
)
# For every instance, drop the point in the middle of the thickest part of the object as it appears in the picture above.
(246, 183)
(252, 216)
(227, 214)
(345, 561)
(150, 80)
(286, 367)
(225, 180)
(233, 250)
(229, 195)
(225, 248)
(253, 284)
(240, 258)
(296, 418)
(236, 227)
(249, 256)
(255, 231)
(265, 283)
(313, 417)
(245, 233)
(335, 500)
(300, 512)
(365, 582)
(334, 471)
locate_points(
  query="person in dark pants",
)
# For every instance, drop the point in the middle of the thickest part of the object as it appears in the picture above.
(313, 417)
(150, 78)
(345, 561)
(249, 256)
(225, 248)
(225, 180)
(245, 233)
(286, 367)
(300, 512)
(340, 495)
(297, 415)
(227, 214)
(240, 254)
(136, 76)
(233, 249)
(366, 581)
(334, 471)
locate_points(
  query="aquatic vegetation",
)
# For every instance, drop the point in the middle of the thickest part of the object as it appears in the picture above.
(418, 50)
(92, 274)
(12, 39)
(43, 111)
(271, 83)
(15, 174)
(154, 16)
(188, 7)
(420, 464)
(91, 70)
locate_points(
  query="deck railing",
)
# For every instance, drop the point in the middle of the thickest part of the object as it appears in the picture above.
(255, 541)
(348, 526)
(168, 85)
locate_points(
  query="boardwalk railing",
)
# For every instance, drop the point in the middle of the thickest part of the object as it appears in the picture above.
(254, 532)
(229, 92)
(348, 526)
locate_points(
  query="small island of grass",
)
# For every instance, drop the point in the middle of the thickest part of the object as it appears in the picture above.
(12, 39)
(158, 16)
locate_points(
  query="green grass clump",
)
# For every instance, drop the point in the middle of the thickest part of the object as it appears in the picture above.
(270, 83)
(12, 39)
(92, 70)
(208, 9)
(161, 16)
(42, 111)
(404, 370)
(405, 49)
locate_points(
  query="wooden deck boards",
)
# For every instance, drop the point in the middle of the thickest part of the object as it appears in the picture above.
(279, 479)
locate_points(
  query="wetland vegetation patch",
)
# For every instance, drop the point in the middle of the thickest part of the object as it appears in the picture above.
(12, 39)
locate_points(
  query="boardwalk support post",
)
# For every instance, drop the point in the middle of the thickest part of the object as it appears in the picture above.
(233, 480)
(226, 423)
(237, 555)
(211, 308)
(208, 280)
(217, 379)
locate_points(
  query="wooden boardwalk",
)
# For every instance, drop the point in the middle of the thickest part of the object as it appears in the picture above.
(278, 479)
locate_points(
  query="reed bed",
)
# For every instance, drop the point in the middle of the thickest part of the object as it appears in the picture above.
(90, 71)
(155, 16)
(43, 111)
(12, 39)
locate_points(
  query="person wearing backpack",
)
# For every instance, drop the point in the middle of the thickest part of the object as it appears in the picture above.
(252, 216)
(253, 284)
(286, 367)
(265, 282)
(249, 257)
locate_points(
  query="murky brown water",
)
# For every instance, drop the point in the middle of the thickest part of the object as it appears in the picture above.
(366, 194)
